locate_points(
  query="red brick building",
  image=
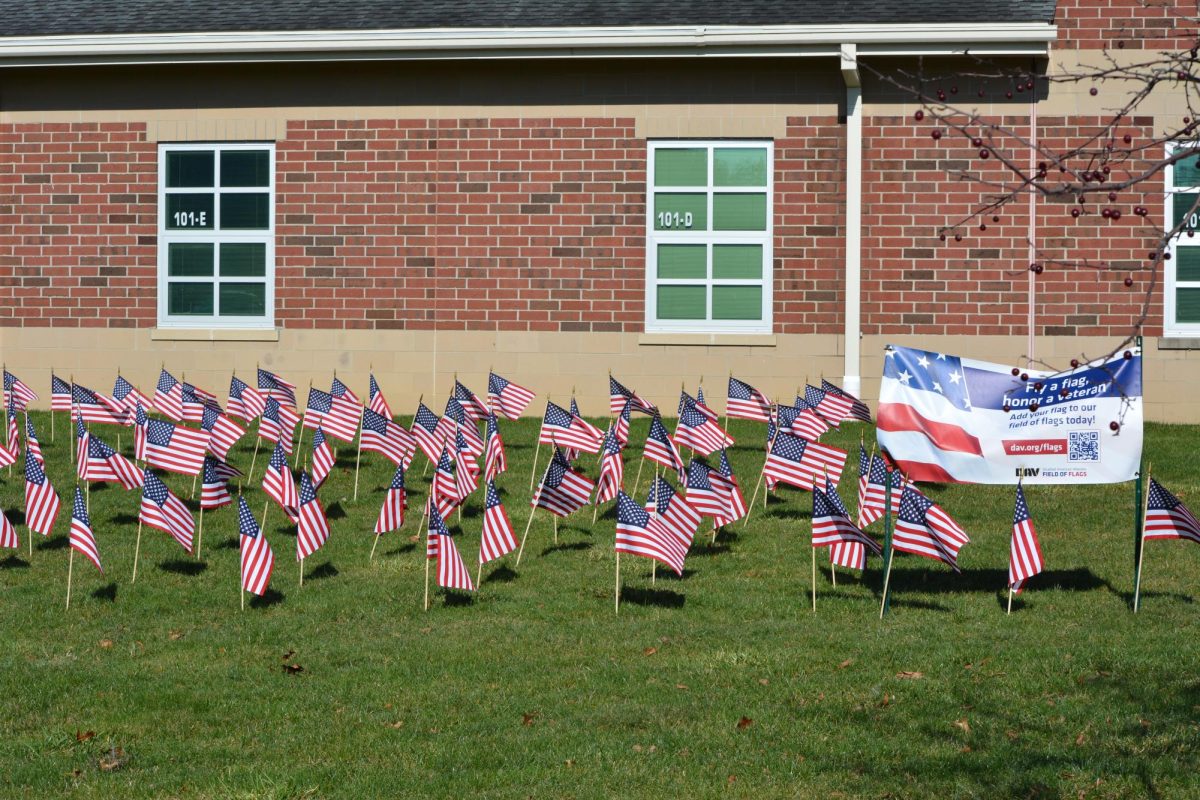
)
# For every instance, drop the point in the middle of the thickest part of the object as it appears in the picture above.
(560, 189)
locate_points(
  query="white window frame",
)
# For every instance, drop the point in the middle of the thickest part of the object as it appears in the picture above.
(656, 237)
(216, 236)
(1170, 282)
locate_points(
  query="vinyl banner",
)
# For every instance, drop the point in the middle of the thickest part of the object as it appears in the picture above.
(943, 419)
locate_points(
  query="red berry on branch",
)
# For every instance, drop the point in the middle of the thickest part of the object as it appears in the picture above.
(1114, 426)
(983, 226)
(920, 115)
(984, 154)
(1024, 377)
(1127, 138)
(936, 134)
(1105, 170)
(1033, 406)
(958, 237)
(942, 237)
(953, 90)
(1016, 371)
(980, 93)
(1106, 213)
(1029, 84)
(1166, 256)
(995, 218)
(1074, 212)
(1128, 355)
(1006, 408)
(1116, 213)
(1074, 363)
(1093, 91)
(1128, 281)
(1038, 386)
(977, 142)
(1112, 197)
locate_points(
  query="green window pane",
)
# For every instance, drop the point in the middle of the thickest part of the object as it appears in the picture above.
(189, 260)
(1187, 172)
(679, 211)
(190, 299)
(737, 261)
(189, 212)
(682, 261)
(1187, 304)
(1187, 263)
(243, 260)
(684, 166)
(243, 299)
(737, 302)
(245, 168)
(739, 166)
(244, 211)
(739, 212)
(1181, 205)
(189, 168)
(681, 302)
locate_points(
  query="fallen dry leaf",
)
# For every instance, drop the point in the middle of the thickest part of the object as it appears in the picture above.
(1012, 735)
(570, 762)
(414, 539)
(1081, 738)
(175, 635)
(398, 724)
(966, 748)
(106, 644)
(962, 725)
(681, 686)
(83, 736)
(910, 675)
(649, 651)
(744, 722)
(846, 663)
(114, 759)
(293, 669)
(763, 681)
(731, 779)
(288, 655)
(886, 701)
(527, 719)
(637, 748)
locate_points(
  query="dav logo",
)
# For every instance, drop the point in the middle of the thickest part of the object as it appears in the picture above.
(1027, 472)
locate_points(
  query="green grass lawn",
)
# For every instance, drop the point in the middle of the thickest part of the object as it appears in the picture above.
(722, 682)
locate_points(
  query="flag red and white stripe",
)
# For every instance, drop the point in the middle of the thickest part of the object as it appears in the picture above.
(41, 501)
(168, 396)
(1167, 517)
(507, 398)
(1025, 553)
(8, 534)
(161, 509)
(635, 535)
(381, 435)
(223, 432)
(801, 463)
(923, 528)
(391, 514)
(322, 458)
(278, 482)
(257, 559)
(244, 402)
(81, 538)
(498, 538)
(312, 529)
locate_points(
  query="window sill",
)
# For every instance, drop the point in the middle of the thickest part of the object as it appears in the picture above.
(708, 339)
(214, 334)
(1179, 343)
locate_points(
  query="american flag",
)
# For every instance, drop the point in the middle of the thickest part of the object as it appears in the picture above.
(699, 432)
(800, 463)
(194, 400)
(443, 489)
(698, 403)
(451, 572)
(337, 420)
(343, 392)
(743, 401)
(424, 429)
(8, 534)
(60, 394)
(16, 394)
(864, 477)
(95, 407)
(102, 463)
(257, 559)
(381, 435)
(312, 529)
(391, 515)
(659, 448)
(81, 446)
(163, 510)
(271, 385)
(561, 427)
(41, 501)
(173, 447)
(498, 536)
(346, 407)
(213, 491)
(495, 460)
(13, 440)
(618, 395)
(671, 513)
(168, 396)
(1167, 517)
(620, 424)
(31, 441)
(507, 398)
(563, 491)
(832, 407)
(377, 402)
(924, 529)
(801, 420)
(278, 482)
(476, 409)
(874, 502)
(81, 538)
(723, 477)
(858, 409)
(1025, 554)
(278, 424)
(322, 458)
(637, 537)
(245, 402)
(831, 527)
(7, 457)
(456, 415)
(223, 433)
(466, 468)
(612, 468)
(703, 495)
(128, 395)
(571, 453)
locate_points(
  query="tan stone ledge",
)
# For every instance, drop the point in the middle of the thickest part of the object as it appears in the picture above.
(214, 334)
(708, 339)
(1179, 343)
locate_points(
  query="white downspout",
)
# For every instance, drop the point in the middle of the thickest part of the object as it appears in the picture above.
(852, 379)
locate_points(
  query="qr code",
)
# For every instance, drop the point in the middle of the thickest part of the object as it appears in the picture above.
(1084, 446)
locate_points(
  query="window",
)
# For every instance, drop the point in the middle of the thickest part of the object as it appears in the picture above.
(708, 236)
(1181, 302)
(216, 236)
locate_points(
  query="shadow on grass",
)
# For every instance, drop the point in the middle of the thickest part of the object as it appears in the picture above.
(269, 598)
(787, 513)
(17, 518)
(408, 548)
(501, 574)
(939, 579)
(125, 519)
(321, 571)
(567, 546)
(663, 598)
(1127, 596)
(107, 592)
(14, 562)
(707, 548)
(666, 574)
(923, 605)
(455, 599)
(232, 543)
(57, 543)
(335, 511)
(183, 566)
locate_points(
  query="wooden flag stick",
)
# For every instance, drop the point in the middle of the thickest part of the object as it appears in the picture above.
(617, 591)
(200, 533)
(195, 477)
(71, 420)
(137, 549)
(302, 573)
(427, 560)
(887, 577)
(1137, 581)
(357, 467)
(525, 534)
(478, 574)
(303, 417)
(1010, 594)
(536, 453)
(555, 529)
(263, 526)
(889, 553)
(832, 570)
(814, 578)
(87, 496)
(52, 416)
(253, 461)
(375, 544)
(638, 480)
(70, 568)
(753, 497)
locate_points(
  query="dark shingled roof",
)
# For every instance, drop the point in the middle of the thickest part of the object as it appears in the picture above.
(67, 17)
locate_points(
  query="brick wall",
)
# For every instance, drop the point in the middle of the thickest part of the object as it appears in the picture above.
(1132, 24)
